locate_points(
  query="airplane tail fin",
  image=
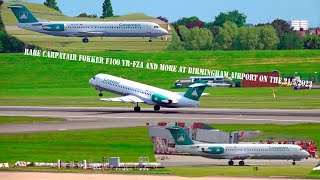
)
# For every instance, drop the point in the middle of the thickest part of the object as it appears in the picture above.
(180, 136)
(195, 90)
(22, 14)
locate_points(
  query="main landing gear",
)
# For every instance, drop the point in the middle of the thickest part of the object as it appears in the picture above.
(100, 94)
(231, 163)
(156, 108)
(137, 108)
(150, 40)
(294, 162)
(85, 40)
(241, 163)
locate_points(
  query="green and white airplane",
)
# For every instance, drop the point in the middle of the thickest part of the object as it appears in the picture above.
(236, 151)
(134, 92)
(86, 29)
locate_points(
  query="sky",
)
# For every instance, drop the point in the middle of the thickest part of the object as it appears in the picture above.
(257, 11)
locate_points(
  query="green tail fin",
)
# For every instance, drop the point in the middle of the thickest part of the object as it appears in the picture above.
(180, 136)
(195, 90)
(22, 13)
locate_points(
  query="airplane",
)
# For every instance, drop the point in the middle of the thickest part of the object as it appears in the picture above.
(136, 93)
(86, 29)
(236, 151)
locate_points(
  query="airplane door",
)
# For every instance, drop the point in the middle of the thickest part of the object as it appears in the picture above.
(295, 152)
(149, 29)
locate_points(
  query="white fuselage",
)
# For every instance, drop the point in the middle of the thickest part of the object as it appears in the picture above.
(96, 29)
(246, 151)
(124, 87)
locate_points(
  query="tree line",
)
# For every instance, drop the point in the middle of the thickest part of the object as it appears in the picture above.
(229, 31)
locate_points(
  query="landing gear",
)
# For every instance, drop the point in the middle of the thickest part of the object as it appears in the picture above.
(100, 94)
(156, 108)
(85, 40)
(150, 40)
(293, 163)
(137, 108)
(230, 163)
(241, 163)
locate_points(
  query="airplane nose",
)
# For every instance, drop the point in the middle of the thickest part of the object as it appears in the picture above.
(307, 154)
(165, 32)
(92, 82)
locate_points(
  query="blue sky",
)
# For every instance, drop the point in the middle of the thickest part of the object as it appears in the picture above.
(256, 10)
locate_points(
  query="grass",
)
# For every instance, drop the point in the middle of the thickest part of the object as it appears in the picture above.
(43, 12)
(263, 171)
(314, 174)
(96, 44)
(38, 169)
(128, 144)
(20, 119)
(40, 81)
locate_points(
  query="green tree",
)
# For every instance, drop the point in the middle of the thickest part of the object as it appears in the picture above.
(1, 48)
(291, 40)
(233, 16)
(176, 43)
(52, 4)
(247, 39)
(268, 38)
(107, 10)
(282, 27)
(186, 20)
(226, 37)
(196, 38)
(312, 42)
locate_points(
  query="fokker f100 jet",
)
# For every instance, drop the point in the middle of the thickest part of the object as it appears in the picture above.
(232, 152)
(134, 92)
(86, 29)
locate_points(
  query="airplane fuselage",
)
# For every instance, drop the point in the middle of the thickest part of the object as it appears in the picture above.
(96, 29)
(245, 151)
(124, 87)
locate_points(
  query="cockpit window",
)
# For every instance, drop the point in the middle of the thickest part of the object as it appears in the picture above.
(156, 27)
(94, 78)
(301, 149)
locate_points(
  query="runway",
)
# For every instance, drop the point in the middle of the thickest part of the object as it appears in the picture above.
(80, 118)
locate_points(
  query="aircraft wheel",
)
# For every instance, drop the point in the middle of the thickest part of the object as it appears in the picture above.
(150, 40)
(293, 163)
(100, 95)
(231, 163)
(156, 108)
(241, 163)
(85, 40)
(137, 109)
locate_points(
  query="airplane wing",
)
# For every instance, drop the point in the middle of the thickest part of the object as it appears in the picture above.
(129, 98)
(241, 156)
(90, 33)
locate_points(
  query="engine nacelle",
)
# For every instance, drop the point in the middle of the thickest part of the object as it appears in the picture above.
(54, 27)
(213, 150)
(158, 98)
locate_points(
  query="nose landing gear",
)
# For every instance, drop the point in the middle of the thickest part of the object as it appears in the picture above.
(85, 40)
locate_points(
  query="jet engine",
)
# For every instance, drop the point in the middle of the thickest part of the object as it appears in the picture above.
(158, 98)
(54, 27)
